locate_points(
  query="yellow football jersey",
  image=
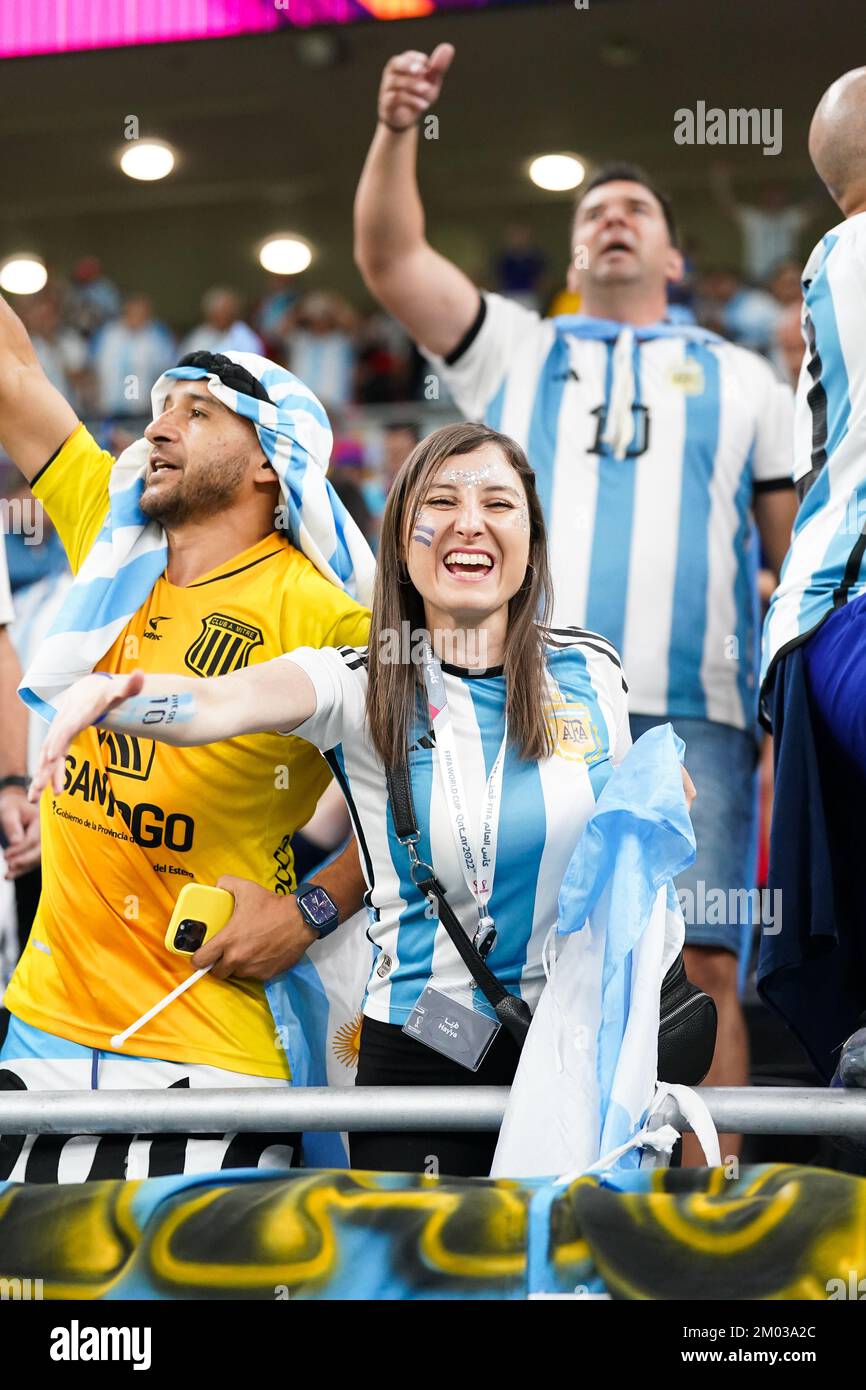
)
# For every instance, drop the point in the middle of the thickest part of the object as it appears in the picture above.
(139, 819)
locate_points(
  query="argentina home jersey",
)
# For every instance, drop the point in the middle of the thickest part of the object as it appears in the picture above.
(544, 809)
(824, 565)
(648, 445)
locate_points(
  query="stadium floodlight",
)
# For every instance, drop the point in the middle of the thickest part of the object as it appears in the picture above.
(147, 160)
(557, 172)
(285, 254)
(22, 274)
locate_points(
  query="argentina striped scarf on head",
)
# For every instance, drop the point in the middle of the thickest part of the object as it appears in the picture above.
(130, 552)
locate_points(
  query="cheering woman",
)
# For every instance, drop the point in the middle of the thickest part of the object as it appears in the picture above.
(508, 731)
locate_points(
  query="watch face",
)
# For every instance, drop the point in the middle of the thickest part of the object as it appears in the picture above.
(318, 906)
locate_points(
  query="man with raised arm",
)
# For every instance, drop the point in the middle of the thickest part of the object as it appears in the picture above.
(180, 563)
(656, 446)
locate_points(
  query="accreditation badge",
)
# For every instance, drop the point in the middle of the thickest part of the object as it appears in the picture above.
(452, 1028)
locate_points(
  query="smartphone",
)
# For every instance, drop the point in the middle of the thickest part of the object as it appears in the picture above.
(199, 913)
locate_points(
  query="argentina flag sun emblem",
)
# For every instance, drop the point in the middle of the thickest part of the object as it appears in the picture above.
(223, 645)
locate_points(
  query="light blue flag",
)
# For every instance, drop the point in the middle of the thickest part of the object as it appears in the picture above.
(316, 1008)
(588, 1070)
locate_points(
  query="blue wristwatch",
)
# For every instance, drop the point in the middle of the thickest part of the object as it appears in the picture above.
(318, 908)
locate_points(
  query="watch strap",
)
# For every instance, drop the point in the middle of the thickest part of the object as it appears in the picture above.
(16, 780)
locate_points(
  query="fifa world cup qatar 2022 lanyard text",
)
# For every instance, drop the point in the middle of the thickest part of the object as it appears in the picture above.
(477, 861)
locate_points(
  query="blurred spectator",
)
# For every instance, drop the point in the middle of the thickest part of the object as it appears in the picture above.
(128, 356)
(62, 351)
(93, 299)
(358, 485)
(788, 345)
(398, 440)
(682, 294)
(223, 329)
(346, 481)
(321, 348)
(784, 285)
(771, 231)
(384, 353)
(33, 549)
(520, 266)
(745, 315)
(273, 315)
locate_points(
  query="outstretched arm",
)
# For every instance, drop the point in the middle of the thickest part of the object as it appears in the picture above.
(182, 710)
(430, 296)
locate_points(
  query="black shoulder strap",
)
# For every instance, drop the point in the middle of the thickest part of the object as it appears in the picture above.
(402, 807)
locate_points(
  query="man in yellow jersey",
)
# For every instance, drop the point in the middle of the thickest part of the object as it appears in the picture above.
(136, 820)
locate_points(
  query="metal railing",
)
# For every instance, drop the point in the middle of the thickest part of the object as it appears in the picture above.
(743, 1110)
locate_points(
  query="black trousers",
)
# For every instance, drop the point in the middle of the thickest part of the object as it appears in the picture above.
(389, 1058)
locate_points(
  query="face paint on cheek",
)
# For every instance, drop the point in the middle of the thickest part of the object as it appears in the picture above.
(518, 519)
(423, 534)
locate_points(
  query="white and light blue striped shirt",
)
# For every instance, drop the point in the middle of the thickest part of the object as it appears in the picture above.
(648, 445)
(544, 809)
(824, 567)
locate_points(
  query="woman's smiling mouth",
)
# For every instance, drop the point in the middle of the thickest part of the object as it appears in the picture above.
(471, 565)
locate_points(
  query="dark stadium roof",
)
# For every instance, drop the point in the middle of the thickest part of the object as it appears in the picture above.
(270, 142)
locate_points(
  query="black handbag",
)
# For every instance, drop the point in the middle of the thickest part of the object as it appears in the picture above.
(687, 1029)
(687, 1016)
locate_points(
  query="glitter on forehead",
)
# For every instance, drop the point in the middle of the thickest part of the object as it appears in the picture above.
(470, 476)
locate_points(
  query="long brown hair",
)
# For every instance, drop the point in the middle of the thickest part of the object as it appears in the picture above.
(394, 685)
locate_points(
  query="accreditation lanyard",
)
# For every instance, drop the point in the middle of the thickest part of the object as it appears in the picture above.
(479, 867)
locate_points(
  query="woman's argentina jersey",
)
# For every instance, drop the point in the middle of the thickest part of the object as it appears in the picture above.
(824, 565)
(544, 808)
(656, 548)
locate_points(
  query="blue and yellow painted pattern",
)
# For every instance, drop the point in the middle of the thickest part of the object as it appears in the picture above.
(775, 1232)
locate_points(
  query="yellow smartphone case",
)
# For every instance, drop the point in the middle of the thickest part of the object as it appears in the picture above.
(198, 905)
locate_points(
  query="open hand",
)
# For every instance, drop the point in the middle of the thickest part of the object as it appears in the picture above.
(411, 83)
(77, 708)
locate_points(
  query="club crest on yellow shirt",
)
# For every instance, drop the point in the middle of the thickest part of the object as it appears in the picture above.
(223, 645)
(576, 735)
(126, 755)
